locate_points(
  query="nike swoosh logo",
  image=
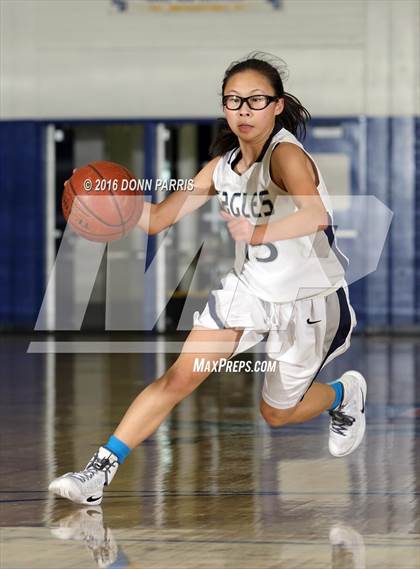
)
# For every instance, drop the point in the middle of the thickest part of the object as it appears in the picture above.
(92, 499)
(312, 322)
(363, 399)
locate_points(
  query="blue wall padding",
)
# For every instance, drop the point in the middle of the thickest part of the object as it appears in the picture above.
(21, 222)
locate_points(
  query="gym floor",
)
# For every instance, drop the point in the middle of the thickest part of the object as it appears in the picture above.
(215, 486)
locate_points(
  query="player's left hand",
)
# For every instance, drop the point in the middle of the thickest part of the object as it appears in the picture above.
(239, 227)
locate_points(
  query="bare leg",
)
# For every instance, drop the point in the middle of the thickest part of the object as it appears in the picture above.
(155, 402)
(318, 399)
(147, 412)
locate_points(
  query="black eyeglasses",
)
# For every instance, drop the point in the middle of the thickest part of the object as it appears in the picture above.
(254, 102)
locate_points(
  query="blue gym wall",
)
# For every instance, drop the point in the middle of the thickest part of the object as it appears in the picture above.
(21, 222)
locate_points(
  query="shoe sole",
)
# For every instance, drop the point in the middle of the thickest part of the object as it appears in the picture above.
(362, 431)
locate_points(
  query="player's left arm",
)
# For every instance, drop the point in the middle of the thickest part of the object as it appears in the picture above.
(289, 169)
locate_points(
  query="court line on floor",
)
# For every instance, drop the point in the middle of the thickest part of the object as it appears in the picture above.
(231, 493)
(122, 494)
(259, 542)
(383, 544)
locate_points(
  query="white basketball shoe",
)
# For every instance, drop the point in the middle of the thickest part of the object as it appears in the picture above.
(87, 486)
(348, 422)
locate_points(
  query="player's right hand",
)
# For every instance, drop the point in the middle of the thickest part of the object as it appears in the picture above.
(74, 170)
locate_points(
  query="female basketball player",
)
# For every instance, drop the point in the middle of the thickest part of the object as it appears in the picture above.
(287, 282)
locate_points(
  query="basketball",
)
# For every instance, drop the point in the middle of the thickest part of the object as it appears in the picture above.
(102, 201)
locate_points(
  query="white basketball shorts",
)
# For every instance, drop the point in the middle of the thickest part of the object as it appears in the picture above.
(302, 336)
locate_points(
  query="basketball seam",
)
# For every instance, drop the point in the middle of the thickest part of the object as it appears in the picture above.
(113, 199)
(80, 229)
(133, 211)
(131, 178)
(87, 208)
(84, 232)
(128, 172)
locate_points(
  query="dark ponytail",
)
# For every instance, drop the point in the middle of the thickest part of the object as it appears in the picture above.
(294, 116)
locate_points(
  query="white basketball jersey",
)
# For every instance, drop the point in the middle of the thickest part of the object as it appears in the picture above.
(283, 270)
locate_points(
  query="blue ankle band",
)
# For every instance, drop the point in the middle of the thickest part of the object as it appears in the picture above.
(338, 388)
(117, 447)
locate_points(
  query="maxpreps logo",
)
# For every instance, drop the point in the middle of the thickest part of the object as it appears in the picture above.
(196, 5)
(201, 365)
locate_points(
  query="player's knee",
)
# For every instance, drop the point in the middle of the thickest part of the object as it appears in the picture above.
(275, 417)
(178, 382)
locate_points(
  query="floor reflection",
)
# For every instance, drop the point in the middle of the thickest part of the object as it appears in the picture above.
(214, 486)
(348, 548)
(87, 526)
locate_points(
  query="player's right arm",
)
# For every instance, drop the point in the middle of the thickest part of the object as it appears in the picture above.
(160, 216)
